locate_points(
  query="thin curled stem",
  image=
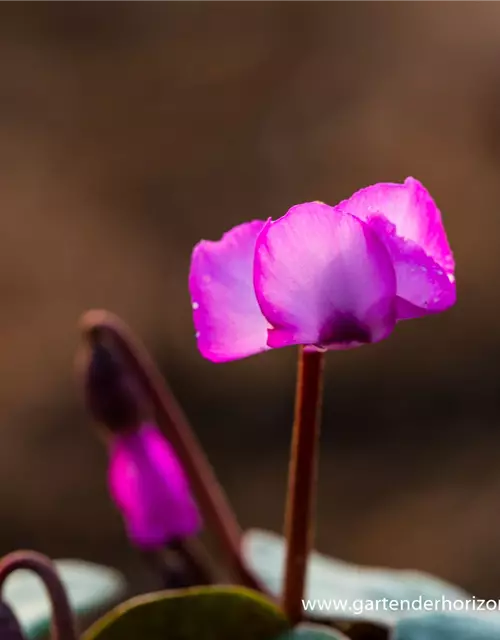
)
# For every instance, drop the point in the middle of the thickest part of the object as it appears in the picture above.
(63, 624)
(207, 491)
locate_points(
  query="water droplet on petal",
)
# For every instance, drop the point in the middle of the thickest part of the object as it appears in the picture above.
(195, 305)
(451, 277)
(197, 335)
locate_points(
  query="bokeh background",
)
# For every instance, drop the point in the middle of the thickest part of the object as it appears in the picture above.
(128, 131)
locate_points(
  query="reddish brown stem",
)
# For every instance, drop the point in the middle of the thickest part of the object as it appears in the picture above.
(63, 625)
(184, 563)
(208, 493)
(299, 525)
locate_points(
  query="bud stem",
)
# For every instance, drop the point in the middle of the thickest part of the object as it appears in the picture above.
(184, 563)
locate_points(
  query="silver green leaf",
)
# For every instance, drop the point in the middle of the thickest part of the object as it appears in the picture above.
(344, 591)
(449, 626)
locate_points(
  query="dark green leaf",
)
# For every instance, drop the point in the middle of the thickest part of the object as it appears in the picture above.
(344, 591)
(202, 613)
(312, 632)
(449, 626)
(89, 587)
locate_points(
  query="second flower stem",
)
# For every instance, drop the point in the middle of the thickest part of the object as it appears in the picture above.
(299, 521)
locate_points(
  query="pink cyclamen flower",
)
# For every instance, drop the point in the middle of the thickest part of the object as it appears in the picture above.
(330, 277)
(148, 485)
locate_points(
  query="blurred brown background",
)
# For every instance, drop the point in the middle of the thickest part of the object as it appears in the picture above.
(128, 131)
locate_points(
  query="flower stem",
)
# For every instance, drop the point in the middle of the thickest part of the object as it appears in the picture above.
(184, 563)
(208, 493)
(63, 625)
(299, 526)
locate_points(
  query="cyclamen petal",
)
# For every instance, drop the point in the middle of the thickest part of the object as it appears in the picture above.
(422, 285)
(323, 278)
(409, 223)
(227, 318)
(147, 483)
(413, 212)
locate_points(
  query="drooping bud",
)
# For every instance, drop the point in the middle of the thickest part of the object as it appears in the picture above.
(145, 477)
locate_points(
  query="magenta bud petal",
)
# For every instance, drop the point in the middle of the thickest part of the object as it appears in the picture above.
(407, 220)
(322, 277)
(148, 485)
(228, 321)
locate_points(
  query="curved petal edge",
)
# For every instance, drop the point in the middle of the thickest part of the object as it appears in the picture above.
(228, 321)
